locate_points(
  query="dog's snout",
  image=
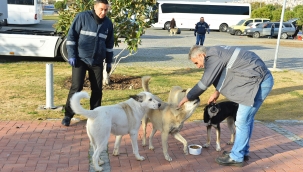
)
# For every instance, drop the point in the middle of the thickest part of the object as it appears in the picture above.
(159, 104)
(213, 109)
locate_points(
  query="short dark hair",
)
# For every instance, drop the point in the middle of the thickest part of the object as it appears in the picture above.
(101, 1)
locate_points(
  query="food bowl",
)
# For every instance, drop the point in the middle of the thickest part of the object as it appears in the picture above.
(195, 149)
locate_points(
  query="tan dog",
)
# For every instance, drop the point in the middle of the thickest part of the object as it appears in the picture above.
(119, 119)
(168, 119)
(173, 31)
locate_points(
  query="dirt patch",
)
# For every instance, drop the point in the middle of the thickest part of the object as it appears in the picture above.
(117, 82)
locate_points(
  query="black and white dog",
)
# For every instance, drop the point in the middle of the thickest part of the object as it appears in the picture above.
(214, 114)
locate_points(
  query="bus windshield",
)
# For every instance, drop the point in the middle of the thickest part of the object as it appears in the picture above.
(24, 11)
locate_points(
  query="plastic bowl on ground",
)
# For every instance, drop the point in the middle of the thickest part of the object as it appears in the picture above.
(195, 149)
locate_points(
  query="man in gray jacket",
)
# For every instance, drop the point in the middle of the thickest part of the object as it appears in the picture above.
(242, 77)
(90, 42)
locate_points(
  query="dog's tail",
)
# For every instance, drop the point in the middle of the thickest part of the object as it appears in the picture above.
(145, 81)
(76, 106)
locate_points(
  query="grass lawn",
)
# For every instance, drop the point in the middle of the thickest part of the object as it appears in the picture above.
(50, 17)
(23, 90)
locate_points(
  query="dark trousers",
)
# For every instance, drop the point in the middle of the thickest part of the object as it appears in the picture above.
(200, 39)
(95, 74)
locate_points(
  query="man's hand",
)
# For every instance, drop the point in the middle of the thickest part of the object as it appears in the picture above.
(72, 61)
(195, 34)
(108, 67)
(214, 97)
(182, 102)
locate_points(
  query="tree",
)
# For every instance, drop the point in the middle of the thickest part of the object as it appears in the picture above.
(130, 19)
(60, 5)
(257, 5)
(263, 12)
(276, 15)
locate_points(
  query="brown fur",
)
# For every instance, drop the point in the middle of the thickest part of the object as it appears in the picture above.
(168, 119)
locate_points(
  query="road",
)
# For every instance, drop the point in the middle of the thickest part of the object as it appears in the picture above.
(161, 50)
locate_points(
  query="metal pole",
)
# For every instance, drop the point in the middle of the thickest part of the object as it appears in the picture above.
(49, 87)
(279, 35)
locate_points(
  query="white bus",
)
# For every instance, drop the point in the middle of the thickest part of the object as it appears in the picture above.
(24, 11)
(187, 13)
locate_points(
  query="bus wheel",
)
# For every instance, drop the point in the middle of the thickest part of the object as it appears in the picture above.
(223, 28)
(167, 25)
(63, 50)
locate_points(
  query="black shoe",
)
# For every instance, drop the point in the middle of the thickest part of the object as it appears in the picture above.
(227, 161)
(246, 157)
(66, 121)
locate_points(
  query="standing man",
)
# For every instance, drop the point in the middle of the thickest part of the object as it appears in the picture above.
(272, 30)
(172, 24)
(242, 77)
(200, 31)
(90, 41)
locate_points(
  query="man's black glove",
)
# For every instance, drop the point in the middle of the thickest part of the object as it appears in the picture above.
(195, 34)
(72, 61)
(108, 67)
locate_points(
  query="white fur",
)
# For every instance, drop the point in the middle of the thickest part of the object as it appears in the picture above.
(119, 119)
(173, 31)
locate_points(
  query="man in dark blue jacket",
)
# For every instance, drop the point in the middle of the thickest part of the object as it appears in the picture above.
(200, 31)
(90, 41)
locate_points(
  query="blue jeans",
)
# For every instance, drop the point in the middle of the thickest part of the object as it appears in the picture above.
(245, 121)
(200, 39)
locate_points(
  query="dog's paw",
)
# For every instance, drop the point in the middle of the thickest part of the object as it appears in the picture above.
(97, 168)
(206, 145)
(151, 147)
(140, 158)
(185, 150)
(218, 149)
(116, 152)
(168, 158)
(143, 143)
(230, 143)
(100, 162)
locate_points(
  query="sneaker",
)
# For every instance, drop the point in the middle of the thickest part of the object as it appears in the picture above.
(227, 161)
(66, 121)
(246, 157)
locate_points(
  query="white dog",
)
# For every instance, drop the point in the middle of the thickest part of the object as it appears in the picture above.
(119, 119)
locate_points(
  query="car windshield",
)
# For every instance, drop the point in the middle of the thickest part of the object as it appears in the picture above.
(241, 22)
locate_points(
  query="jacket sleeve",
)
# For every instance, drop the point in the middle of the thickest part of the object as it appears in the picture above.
(196, 27)
(109, 44)
(73, 37)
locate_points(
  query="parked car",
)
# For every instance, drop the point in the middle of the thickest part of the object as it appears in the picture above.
(264, 29)
(239, 28)
(253, 25)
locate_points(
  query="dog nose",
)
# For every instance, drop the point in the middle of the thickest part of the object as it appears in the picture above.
(159, 104)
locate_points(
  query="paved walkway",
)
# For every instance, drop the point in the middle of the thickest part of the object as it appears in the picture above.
(48, 146)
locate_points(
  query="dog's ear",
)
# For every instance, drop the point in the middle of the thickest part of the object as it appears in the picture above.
(138, 97)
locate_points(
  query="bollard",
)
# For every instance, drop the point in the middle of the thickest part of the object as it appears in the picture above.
(49, 87)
